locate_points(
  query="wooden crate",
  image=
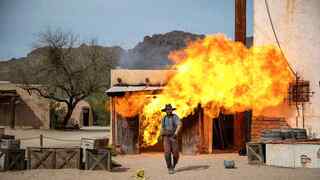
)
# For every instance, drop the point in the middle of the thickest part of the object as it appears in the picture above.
(53, 158)
(68, 158)
(97, 143)
(5, 136)
(256, 153)
(92, 143)
(98, 159)
(12, 159)
(9, 144)
(41, 158)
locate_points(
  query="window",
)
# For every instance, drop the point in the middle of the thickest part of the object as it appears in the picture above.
(299, 92)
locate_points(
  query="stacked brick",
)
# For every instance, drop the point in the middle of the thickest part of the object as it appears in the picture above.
(261, 123)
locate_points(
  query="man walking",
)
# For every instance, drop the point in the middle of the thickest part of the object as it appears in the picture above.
(170, 127)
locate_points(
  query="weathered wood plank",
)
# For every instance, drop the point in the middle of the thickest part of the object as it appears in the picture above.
(190, 135)
(98, 160)
(68, 158)
(256, 153)
(54, 158)
(12, 159)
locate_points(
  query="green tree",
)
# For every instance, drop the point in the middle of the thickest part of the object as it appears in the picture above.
(98, 102)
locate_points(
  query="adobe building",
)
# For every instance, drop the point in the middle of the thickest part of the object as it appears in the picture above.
(82, 114)
(18, 108)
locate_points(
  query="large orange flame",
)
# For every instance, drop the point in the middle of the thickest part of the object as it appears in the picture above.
(131, 104)
(216, 72)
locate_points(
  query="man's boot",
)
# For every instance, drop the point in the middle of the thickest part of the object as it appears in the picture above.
(169, 163)
(175, 161)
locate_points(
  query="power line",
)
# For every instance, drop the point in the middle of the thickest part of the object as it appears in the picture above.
(276, 37)
(290, 67)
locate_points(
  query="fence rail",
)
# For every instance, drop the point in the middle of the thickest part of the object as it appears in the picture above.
(42, 139)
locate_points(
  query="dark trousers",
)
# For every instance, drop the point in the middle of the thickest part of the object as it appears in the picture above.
(171, 148)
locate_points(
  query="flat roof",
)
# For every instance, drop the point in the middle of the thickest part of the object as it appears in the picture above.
(118, 89)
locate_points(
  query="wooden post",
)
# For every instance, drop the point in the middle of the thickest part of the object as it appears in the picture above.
(240, 36)
(41, 140)
(239, 130)
(200, 130)
(208, 121)
(12, 112)
(240, 21)
(139, 133)
(114, 121)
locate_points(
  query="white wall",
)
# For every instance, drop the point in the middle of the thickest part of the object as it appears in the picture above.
(297, 24)
(77, 117)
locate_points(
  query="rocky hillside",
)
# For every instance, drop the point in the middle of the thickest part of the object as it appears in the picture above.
(9, 68)
(6, 68)
(152, 52)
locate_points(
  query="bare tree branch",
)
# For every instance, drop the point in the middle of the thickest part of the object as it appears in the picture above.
(67, 74)
(42, 94)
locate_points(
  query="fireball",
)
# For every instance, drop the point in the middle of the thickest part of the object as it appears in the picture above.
(217, 72)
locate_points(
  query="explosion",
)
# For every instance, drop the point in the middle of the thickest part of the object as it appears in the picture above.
(131, 104)
(217, 72)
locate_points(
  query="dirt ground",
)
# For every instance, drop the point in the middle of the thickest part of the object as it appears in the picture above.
(201, 167)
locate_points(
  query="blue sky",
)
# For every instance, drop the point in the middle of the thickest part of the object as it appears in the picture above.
(112, 22)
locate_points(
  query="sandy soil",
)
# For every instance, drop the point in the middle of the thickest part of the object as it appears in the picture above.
(201, 167)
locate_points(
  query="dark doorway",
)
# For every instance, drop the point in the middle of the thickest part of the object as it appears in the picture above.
(231, 131)
(223, 132)
(85, 116)
(128, 134)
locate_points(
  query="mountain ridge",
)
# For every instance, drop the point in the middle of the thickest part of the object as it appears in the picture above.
(150, 53)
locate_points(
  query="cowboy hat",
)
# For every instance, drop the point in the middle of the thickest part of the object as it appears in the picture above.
(168, 107)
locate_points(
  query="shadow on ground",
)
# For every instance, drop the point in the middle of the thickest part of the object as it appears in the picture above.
(120, 169)
(193, 168)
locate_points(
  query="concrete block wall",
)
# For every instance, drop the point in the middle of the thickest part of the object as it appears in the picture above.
(297, 25)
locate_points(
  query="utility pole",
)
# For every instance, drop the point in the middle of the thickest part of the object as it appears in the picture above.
(240, 21)
(242, 125)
